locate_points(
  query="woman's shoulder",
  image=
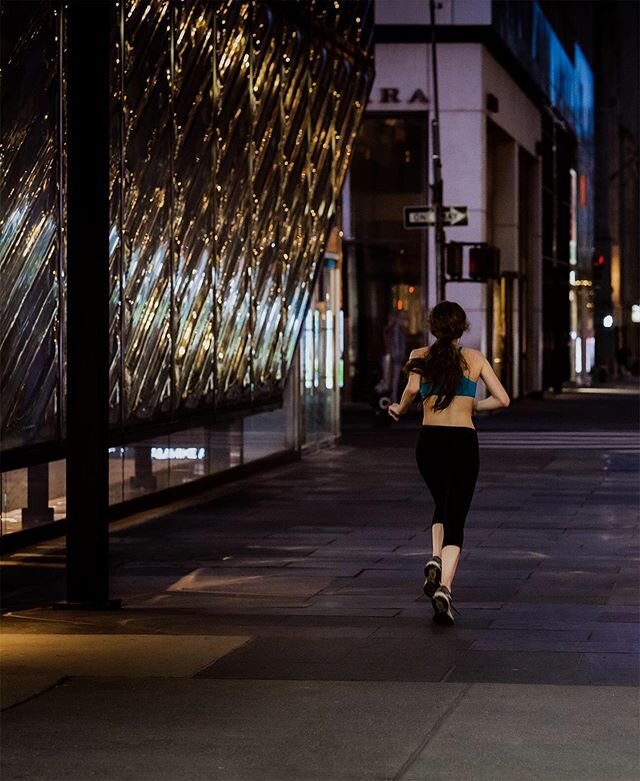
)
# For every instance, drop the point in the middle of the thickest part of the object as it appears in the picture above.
(419, 352)
(473, 356)
(472, 352)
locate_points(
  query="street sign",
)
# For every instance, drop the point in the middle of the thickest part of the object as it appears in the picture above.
(425, 216)
(456, 215)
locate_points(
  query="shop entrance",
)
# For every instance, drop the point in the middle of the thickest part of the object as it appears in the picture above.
(506, 330)
(385, 265)
(384, 317)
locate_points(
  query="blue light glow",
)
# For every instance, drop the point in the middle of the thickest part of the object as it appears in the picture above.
(565, 76)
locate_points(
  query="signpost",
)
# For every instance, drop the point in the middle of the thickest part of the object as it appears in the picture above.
(484, 259)
(425, 216)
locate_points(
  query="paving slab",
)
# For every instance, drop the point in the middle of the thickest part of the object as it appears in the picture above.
(611, 668)
(174, 730)
(170, 730)
(17, 688)
(540, 667)
(145, 655)
(252, 583)
(527, 733)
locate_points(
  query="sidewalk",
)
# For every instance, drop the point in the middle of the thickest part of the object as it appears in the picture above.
(279, 631)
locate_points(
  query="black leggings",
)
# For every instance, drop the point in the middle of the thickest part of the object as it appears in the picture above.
(448, 461)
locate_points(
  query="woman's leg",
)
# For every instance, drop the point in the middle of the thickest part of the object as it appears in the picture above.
(430, 465)
(450, 558)
(437, 536)
(461, 483)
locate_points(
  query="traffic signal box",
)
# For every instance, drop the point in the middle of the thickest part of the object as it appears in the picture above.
(454, 259)
(484, 261)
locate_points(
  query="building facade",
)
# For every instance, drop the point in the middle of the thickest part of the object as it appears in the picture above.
(516, 137)
(617, 225)
(231, 131)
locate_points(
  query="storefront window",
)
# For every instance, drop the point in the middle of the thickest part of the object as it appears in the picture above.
(386, 263)
(320, 360)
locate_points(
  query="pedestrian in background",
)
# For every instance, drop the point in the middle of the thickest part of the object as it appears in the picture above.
(395, 338)
(446, 375)
(395, 351)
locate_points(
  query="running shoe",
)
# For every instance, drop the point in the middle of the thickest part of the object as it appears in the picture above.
(432, 574)
(443, 606)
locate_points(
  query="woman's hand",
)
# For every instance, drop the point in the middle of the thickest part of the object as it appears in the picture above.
(395, 411)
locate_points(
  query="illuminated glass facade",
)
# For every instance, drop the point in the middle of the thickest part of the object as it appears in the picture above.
(232, 126)
(32, 232)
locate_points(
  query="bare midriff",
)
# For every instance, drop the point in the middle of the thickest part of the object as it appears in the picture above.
(458, 413)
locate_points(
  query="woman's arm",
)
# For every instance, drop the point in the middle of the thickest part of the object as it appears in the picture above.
(409, 393)
(498, 397)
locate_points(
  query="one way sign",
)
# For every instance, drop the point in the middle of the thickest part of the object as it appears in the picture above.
(425, 216)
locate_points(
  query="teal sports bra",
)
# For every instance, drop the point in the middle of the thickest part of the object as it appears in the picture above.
(467, 387)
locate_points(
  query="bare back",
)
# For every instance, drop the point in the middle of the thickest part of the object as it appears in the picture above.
(459, 412)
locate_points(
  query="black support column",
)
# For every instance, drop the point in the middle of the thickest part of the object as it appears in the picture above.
(89, 28)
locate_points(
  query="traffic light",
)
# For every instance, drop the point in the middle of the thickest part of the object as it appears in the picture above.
(597, 269)
(454, 259)
(484, 262)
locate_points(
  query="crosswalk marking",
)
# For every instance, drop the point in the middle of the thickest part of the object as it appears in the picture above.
(628, 441)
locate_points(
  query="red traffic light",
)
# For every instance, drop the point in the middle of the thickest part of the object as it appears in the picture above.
(484, 262)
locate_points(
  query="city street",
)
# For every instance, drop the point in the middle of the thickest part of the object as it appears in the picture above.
(226, 228)
(278, 629)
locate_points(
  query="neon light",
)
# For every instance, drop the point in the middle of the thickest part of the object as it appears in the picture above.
(178, 453)
(583, 191)
(590, 357)
(307, 350)
(330, 338)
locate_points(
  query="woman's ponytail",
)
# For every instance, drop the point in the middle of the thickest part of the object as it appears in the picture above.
(443, 366)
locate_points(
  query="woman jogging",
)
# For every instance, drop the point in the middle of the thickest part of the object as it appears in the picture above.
(446, 375)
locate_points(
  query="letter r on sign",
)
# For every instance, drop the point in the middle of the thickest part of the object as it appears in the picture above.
(389, 95)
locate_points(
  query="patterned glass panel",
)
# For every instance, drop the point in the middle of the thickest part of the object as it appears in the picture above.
(116, 202)
(193, 257)
(321, 158)
(364, 29)
(233, 119)
(31, 271)
(322, 120)
(232, 125)
(146, 278)
(353, 86)
(297, 213)
(267, 198)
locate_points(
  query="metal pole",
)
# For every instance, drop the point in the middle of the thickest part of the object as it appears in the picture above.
(89, 29)
(437, 187)
(424, 266)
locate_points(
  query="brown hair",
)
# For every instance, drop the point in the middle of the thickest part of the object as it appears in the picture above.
(443, 366)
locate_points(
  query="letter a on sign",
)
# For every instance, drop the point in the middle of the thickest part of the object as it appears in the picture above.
(418, 97)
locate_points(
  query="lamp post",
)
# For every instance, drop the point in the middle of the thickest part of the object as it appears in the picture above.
(437, 187)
